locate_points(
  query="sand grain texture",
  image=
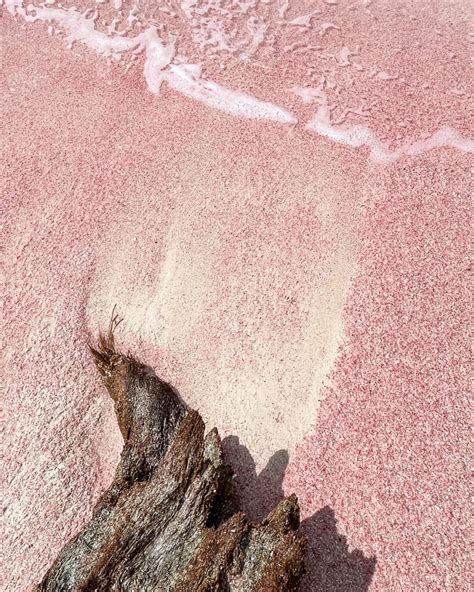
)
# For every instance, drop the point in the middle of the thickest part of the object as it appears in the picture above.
(307, 300)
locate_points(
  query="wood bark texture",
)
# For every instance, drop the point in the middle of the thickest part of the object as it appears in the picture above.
(169, 521)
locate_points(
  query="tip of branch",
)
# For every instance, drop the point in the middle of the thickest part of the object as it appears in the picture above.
(105, 354)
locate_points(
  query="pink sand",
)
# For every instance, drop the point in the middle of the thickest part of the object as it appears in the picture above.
(302, 287)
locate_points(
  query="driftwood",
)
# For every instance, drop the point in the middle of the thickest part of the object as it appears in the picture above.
(169, 520)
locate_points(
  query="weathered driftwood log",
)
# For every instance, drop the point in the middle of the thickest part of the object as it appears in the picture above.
(168, 522)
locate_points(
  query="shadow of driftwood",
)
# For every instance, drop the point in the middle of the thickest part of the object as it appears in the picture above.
(256, 494)
(330, 565)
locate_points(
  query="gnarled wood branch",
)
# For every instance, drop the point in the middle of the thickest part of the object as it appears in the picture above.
(168, 522)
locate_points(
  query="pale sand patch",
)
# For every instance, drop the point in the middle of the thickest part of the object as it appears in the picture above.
(152, 306)
(244, 306)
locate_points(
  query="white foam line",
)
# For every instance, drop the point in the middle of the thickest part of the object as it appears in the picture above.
(82, 29)
(77, 27)
(185, 78)
(360, 135)
(160, 65)
(446, 136)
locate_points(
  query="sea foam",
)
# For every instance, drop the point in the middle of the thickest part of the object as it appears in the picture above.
(163, 65)
(359, 135)
(159, 67)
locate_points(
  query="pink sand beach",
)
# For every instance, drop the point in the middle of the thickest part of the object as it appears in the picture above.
(276, 197)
